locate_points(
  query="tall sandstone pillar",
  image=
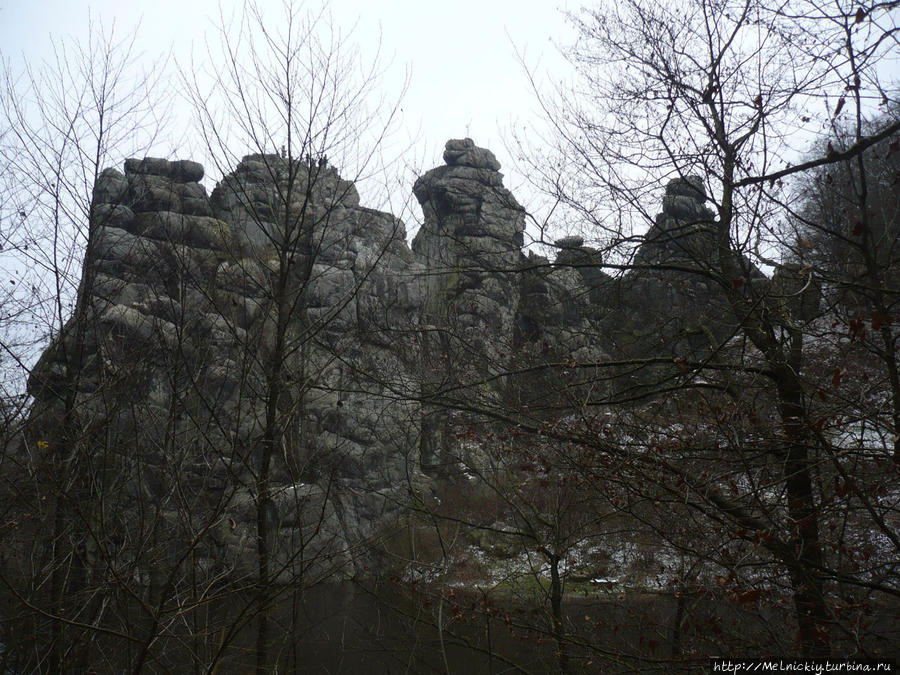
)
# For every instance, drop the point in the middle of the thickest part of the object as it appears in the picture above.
(470, 243)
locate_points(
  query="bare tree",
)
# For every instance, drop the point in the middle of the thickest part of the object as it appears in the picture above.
(722, 91)
(191, 385)
(845, 231)
(64, 121)
(302, 101)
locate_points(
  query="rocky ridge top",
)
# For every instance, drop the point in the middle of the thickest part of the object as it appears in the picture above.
(179, 295)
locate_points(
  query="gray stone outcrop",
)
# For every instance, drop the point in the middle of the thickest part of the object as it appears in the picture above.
(188, 298)
(279, 307)
(470, 244)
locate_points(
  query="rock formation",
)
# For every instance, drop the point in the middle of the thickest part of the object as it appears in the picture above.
(669, 303)
(279, 308)
(470, 245)
(187, 303)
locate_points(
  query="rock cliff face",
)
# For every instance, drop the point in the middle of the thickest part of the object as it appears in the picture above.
(278, 336)
(277, 307)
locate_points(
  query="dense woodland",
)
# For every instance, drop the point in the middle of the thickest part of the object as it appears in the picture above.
(651, 418)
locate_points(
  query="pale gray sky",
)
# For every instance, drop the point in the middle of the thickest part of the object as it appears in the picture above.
(466, 78)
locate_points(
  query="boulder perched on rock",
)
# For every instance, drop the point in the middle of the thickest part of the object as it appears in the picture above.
(463, 152)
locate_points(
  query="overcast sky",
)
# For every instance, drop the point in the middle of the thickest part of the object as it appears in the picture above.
(466, 78)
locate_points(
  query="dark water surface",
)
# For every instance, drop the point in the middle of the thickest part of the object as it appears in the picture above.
(391, 627)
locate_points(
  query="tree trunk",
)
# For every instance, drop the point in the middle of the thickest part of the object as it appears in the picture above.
(556, 608)
(809, 599)
(262, 550)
